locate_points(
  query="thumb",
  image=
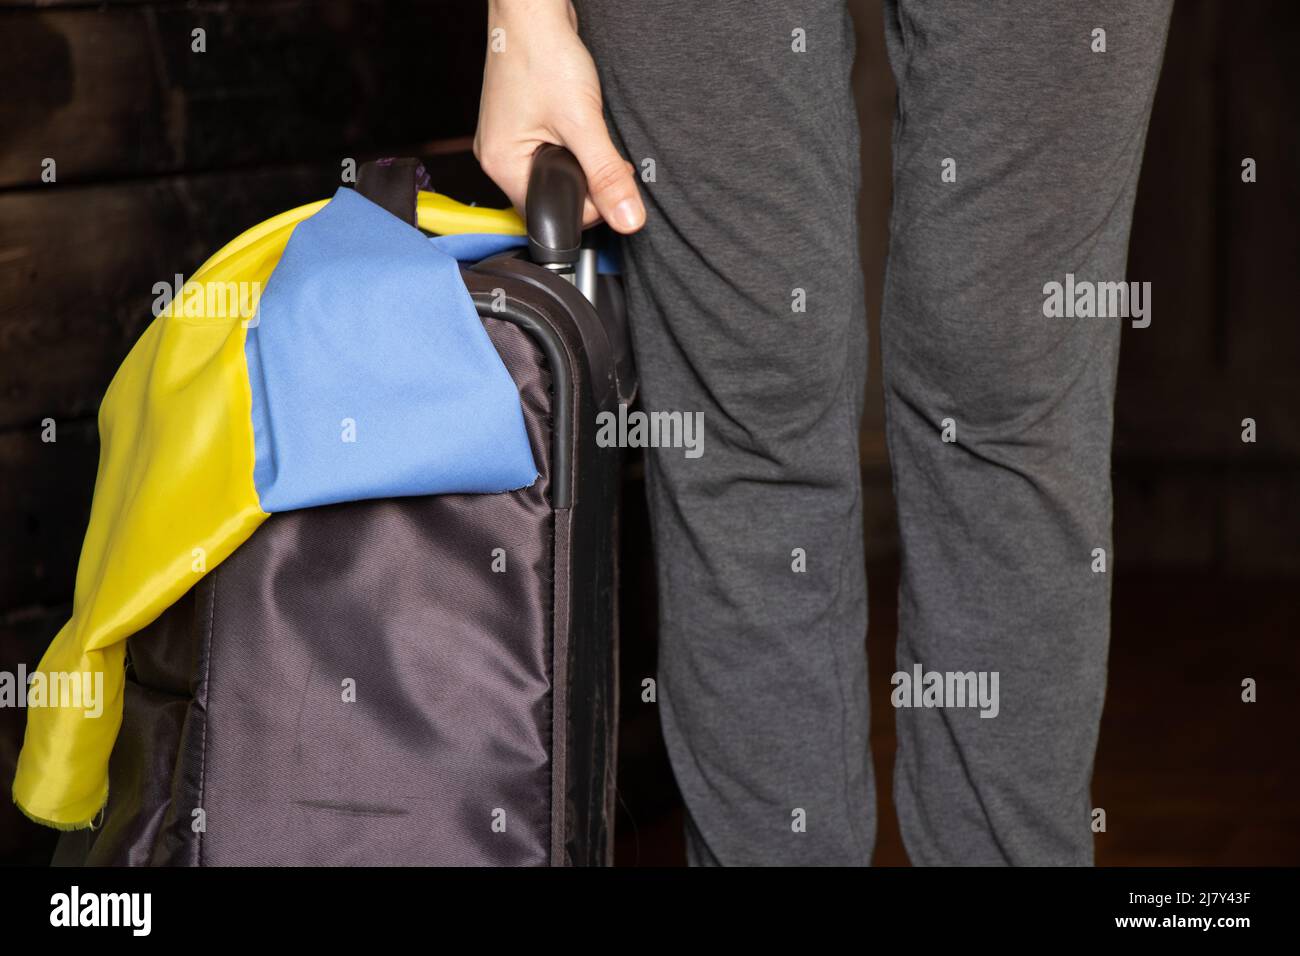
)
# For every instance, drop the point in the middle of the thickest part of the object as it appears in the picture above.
(610, 182)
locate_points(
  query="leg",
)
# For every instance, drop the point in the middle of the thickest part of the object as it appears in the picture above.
(762, 671)
(1000, 526)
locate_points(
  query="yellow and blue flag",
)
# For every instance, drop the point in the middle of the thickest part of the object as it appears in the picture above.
(329, 354)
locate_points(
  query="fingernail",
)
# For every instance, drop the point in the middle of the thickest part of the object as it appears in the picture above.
(626, 216)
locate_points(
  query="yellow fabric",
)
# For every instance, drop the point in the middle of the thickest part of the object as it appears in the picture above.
(174, 496)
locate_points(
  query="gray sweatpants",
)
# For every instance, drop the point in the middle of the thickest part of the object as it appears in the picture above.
(1017, 146)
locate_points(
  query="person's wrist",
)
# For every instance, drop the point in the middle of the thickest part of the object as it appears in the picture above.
(517, 10)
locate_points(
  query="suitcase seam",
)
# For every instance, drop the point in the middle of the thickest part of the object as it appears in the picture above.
(203, 736)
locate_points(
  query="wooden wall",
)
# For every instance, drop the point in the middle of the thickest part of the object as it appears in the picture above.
(162, 155)
(1223, 257)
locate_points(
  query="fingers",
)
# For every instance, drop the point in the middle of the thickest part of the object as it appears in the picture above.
(611, 180)
(612, 193)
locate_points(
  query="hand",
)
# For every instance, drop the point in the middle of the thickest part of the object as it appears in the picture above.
(540, 86)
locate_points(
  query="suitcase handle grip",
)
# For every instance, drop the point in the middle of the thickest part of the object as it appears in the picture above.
(557, 189)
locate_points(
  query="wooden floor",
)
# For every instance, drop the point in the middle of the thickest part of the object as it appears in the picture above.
(1188, 774)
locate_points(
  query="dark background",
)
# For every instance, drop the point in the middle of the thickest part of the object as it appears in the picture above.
(163, 155)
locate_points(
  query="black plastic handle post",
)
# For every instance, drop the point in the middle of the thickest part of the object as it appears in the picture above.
(557, 189)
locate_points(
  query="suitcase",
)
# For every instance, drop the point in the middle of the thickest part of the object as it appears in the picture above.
(409, 681)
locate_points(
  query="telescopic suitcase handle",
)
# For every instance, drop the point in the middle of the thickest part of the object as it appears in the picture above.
(557, 189)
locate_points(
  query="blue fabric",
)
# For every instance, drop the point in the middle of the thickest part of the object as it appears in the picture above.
(364, 319)
(473, 246)
(609, 260)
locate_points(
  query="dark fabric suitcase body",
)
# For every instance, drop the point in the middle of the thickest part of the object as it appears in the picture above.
(405, 681)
